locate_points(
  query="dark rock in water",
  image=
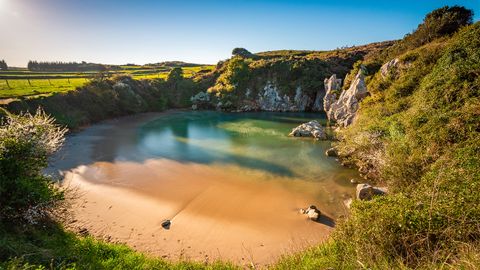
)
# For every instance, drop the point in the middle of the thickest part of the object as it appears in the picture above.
(366, 191)
(166, 224)
(331, 152)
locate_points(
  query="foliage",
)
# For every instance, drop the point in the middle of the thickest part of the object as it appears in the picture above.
(26, 141)
(419, 132)
(233, 77)
(64, 66)
(3, 65)
(49, 246)
(175, 75)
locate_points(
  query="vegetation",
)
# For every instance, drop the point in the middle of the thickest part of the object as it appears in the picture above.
(64, 66)
(21, 83)
(419, 133)
(288, 70)
(3, 65)
(30, 236)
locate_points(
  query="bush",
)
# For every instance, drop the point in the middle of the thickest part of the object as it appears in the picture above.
(26, 141)
(420, 133)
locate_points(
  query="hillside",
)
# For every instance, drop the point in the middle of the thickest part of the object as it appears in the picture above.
(282, 80)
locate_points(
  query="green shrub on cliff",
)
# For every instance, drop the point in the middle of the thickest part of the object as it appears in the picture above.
(419, 132)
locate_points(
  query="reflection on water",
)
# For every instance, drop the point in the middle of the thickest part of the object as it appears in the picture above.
(256, 141)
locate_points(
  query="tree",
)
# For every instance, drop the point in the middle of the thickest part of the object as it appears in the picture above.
(438, 23)
(175, 75)
(3, 65)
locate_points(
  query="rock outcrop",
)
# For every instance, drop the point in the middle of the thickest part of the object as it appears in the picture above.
(388, 67)
(366, 191)
(270, 100)
(310, 129)
(200, 100)
(333, 86)
(343, 109)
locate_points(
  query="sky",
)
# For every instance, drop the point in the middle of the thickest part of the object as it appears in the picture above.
(140, 31)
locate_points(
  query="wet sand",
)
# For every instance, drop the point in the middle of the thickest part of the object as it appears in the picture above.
(217, 211)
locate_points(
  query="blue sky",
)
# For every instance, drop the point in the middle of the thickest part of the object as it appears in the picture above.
(140, 31)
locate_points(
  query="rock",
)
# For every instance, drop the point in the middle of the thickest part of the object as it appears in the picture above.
(332, 87)
(366, 191)
(200, 100)
(310, 129)
(344, 109)
(353, 181)
(348, 202)
(271, 100)
(331, 152)
(388, 67)
(300, 100)
(84, 232)
(312, 212)
(166, 224)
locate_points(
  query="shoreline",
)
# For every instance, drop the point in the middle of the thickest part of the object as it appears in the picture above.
(203, 207)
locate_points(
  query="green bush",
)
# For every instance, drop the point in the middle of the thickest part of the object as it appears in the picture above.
(420, 133)
(26, 141)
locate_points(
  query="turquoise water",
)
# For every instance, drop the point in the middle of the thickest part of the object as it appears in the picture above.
(253, 141)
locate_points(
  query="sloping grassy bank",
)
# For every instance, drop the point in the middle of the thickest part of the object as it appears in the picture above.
(108, 98)
(419, 132)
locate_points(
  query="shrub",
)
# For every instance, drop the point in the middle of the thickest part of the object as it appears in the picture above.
(26, 141)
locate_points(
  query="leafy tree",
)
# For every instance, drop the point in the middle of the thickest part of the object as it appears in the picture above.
(3, 65)
(175, 75)
(234, 76)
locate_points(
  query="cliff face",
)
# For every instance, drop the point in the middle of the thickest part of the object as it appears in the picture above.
(344, 109)
(282, 80)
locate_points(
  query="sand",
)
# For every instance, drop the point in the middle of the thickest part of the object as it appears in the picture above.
(216, 212)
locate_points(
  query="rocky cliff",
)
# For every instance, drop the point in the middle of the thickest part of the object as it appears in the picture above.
(343, 109)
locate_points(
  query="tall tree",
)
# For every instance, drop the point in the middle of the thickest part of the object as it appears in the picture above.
(3, 65)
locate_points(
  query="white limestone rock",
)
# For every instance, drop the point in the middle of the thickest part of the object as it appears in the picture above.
(310, 129)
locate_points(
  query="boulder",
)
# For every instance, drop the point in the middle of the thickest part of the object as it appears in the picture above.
(312, 212)
(366, 191)
(310, 129)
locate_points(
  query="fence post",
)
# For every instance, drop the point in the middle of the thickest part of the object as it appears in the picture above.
(8, 84)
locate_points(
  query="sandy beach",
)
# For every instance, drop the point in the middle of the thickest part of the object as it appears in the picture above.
(216, 212)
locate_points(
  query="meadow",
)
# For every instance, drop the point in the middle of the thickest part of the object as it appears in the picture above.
(22, 82)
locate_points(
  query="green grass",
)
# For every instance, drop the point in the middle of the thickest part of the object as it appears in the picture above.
(52, 247)
(46, 83)
(19, 88)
